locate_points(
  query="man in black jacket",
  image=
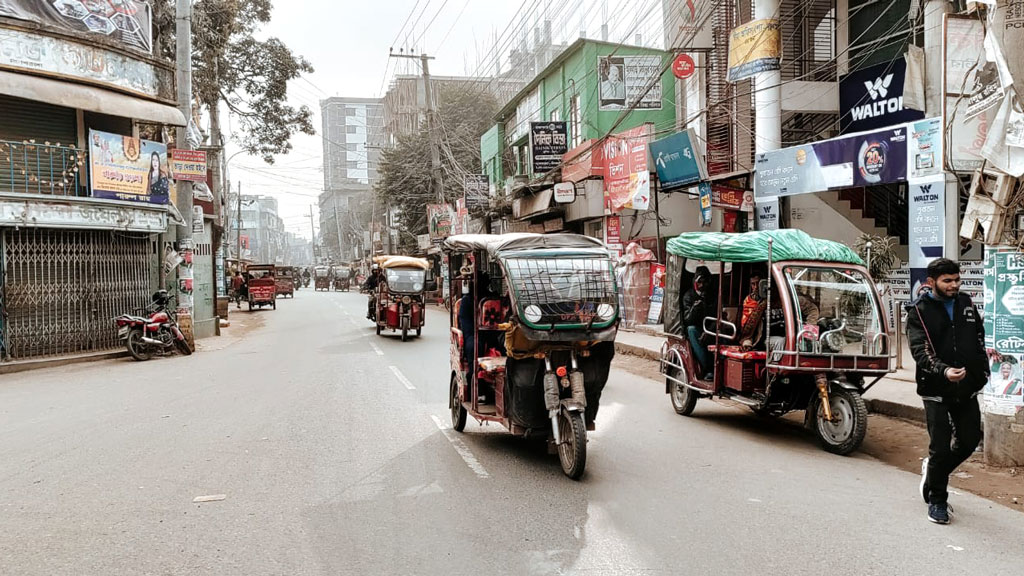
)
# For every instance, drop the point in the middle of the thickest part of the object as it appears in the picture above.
(947, 340)
(698, 304)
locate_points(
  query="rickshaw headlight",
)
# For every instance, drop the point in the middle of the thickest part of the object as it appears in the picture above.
(533, 314)
(406, 300)
(417, 287)
(605, 311)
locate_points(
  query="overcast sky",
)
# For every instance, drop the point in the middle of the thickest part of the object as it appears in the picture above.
(347, 43)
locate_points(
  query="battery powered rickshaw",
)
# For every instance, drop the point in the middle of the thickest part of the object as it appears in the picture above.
(262, 284)
(321, 278)
(794, 323)
(284, 278)
(399, 295)
(342, 278)
(533, 325)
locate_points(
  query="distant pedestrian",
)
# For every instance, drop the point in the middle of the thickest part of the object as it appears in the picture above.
(947, 340)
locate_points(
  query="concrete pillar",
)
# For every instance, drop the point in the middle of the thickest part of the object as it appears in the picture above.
(934, 10)
(768, 98)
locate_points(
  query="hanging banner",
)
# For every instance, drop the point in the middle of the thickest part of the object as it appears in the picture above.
(926, 209)
(440, 218)
(754, 47)
(632, 82)
(127, 22)
(872, 98)
(678, 160)
(705, 203)
(864, 159)
(477, 189)
(627, 180)
(126, 168)
(549, 141)
(188, 165)
(925, 148)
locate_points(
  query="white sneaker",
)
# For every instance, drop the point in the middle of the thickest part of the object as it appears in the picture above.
(923, 487)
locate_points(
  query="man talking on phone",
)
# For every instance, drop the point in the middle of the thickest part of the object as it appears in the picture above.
(947, 340)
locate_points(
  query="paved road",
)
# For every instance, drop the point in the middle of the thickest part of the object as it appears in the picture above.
(333, 449)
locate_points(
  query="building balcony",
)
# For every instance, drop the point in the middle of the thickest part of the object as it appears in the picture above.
(33, 168)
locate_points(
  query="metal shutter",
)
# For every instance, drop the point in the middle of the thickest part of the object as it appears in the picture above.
(22, 120)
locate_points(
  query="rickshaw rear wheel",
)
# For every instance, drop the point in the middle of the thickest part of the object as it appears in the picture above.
(458, 410)
(418, 332)
(684, 398)
(850, 425)
(405, 334)
(572, 452)
(378, 327)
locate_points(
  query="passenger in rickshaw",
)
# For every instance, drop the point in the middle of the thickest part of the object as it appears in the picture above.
(754, 308)
(494, 309)
(699, 303)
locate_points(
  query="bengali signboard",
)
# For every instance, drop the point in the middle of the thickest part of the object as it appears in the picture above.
(477, 189)
(864, 159)
(440, 219)
(754, 47)
(627, 180)
(1004, 330)
(188, 165)
(632, 82)
(549, 141)
(126, 168)
(678, 160)
(732, 198)
(704, 196)
(127, 22)
(927, 219)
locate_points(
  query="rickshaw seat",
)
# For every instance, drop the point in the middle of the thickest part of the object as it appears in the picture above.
(737, 353)
(491, 314)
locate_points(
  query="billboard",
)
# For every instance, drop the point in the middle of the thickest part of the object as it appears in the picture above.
(549, 141)
(127, 22)
(624, 82)
(754, 47)
(126, 168)
(440, 220)
(688, 24)
(678, 160)
(864, 159)
(627, 179)
(872, 98)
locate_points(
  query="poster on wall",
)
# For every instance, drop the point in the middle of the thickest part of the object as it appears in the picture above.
(1004, 301)
(704, 197)
(925, 148)
(754, 47)
(627, 180)
(440, 219)
(629, 82)
(126, 168)
(657, 293)
(1004, 393)
(127, 22)
(926, 208)
(864, 159)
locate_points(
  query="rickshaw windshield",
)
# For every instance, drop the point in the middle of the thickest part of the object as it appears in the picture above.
(843, 301)
(405, 279)
(566, 291)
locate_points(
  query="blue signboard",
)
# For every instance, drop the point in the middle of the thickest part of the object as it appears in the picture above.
(872, 98)
(705, 203)
(678, 160)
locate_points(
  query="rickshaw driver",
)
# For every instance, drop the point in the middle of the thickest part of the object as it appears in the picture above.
(696, 307)
(371, 286)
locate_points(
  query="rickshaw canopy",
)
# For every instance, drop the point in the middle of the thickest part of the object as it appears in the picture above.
(751, 247)
(382, 258)
(405, 262)
(498, 243)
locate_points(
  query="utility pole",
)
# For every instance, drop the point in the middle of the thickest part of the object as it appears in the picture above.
(435, 149)
(183, 32)
(337, 227)
(238, 228)
(768, 105)
(312, 230)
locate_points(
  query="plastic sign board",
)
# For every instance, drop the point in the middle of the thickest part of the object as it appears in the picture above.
(565, 193)
(683, 66)
(189, 165)
(678, 160)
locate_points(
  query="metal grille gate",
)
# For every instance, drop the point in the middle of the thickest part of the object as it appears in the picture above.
(61, 289)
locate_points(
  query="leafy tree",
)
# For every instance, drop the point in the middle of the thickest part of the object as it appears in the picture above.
(405, 171)
(230, 65)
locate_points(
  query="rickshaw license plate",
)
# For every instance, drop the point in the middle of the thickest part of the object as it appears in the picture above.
(122, 332)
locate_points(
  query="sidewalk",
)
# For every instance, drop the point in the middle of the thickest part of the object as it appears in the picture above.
(894, 395)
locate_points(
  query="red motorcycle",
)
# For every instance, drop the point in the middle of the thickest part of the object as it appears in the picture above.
(155, 332)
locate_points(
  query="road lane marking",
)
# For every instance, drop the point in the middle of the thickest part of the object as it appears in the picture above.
(462, 449)
(401, 377)
(379, 351)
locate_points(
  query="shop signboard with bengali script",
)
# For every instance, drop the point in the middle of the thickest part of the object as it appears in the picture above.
(126, 168)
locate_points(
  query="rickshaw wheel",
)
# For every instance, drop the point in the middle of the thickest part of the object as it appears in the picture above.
(405, 334)
(572, 452)
(458, 410)
(851, 414)
(684, 399)
(378, 327)
(418, 332)
(274, 305)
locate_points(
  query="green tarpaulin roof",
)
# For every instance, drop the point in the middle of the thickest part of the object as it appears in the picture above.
(753, 247)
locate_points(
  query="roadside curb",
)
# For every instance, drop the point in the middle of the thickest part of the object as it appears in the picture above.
(28, 365)
(630, 349)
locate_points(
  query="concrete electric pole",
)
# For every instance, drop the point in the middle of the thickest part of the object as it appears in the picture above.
(435, 147)
(183, 31)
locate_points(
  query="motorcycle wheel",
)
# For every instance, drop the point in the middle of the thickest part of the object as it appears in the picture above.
(458, 410)
(851, 421)
(136, 347)
(183, 347)
(572, 452)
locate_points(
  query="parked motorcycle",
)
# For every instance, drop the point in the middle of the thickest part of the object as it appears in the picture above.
(154, 332)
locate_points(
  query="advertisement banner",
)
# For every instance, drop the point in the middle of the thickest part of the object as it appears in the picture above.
(767, 212)
(549, 141)
(613, 231)
(963, 46)
(732, 198)
(624, 82)
(872, 98)
(754, 47)
(188, 165)
(705, 203)
(688, 24)
(864, 159)
(927, 215)
(440, 218)
(198, 225)
(925, 148)
(477, 189)
(657, 293)
(627, 180)
(127, 22)
(678, 160)
(1006, 302)
(126, 168)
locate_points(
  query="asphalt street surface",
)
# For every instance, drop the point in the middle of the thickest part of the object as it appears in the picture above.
(333, 450)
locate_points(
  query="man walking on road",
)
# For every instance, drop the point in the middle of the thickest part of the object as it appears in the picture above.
(947, 340)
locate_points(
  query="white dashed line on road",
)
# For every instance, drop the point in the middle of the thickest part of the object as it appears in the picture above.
(379, 352)
(462, 449)
(401, 377)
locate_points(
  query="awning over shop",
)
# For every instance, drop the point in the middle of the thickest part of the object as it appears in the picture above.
(528, 206)
(71, 95)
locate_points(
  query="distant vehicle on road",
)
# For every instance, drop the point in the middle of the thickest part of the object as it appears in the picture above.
(262, 285)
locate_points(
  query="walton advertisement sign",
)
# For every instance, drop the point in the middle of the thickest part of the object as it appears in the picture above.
(872, 98)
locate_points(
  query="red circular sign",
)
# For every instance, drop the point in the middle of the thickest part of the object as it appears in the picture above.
(683, 67)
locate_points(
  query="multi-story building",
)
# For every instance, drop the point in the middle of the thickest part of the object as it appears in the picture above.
(263, 237)
(353, 133)
(76, 94)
